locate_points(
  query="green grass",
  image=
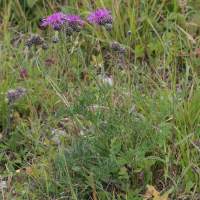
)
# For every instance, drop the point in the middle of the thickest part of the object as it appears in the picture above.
(111, 140)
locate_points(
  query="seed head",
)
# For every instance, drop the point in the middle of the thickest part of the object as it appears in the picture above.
(122, 50)
(129, 32)
(28, 43)
(69, 31)
(44, 47)
(21, 91)
(118, 61)
(13, 94)
(55, 39)
(108, 27)
(115, 46)
(78, 29)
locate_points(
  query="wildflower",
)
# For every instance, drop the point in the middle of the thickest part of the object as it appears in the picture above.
(69, 31)
(21, 91)
(115, 46)
(16, 122)
(50, 60)
(118, 61)
(168, 44)
(24, 74)
(28, 122)
(28, 43)
(44, 47)
(41, 41)
(55, 39)
(17, 171)
(23, 117)
(56, 21)
(13, 94)
(100, 16)
(108, 27)
(15, 117)
(78, 29)
(44, 143)
(122, 50)
(73, 22)
(36, 39)
(129, 32)
(48, 64)
(76, 50)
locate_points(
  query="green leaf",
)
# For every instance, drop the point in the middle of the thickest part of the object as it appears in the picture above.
(31, 3)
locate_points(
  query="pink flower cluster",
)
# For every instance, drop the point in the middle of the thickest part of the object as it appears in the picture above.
(24, 74)
(49, 61)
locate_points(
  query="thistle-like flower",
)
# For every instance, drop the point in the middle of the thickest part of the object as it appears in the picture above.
(129, 32)
(69, 31)
(36, 39)
(118, 61)
(100, 17)
(44, 47)
(55, 39)
(108, 27)
(115, 46)
(78, 29)
(73, 22)
(28, 43)
(122, 50)
(56, 21)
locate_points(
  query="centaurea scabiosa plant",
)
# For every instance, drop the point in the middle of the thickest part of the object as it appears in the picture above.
(57, 21)
(100, 17)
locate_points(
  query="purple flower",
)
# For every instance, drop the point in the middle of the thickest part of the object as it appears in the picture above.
(48, 64)
(15, 117)
(55, 20)
(16, 122)
(74, 18)
(99, 15)
(24, 73)
(23, 117)
(50, 60)
(28, 122)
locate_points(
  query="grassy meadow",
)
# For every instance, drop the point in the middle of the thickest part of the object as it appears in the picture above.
(93, 123)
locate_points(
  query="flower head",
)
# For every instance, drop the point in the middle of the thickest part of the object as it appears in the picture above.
(57, 20)
(24, 73)
(99, 16)
(16, 122)
(74, 18)
(13, 94)
(49, 61)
